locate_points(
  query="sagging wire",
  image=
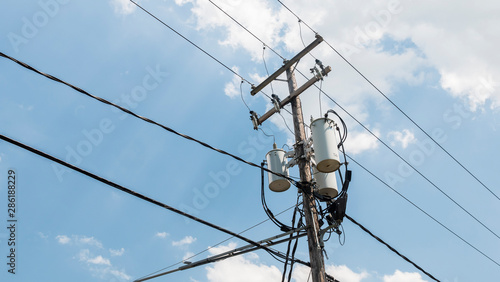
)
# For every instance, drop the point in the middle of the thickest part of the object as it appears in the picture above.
(284, 120)
(265, 66)
(242, 99)
(268, 135)
(283, 227)
(320, 86)
(343, 233)
(290, 243)
(301, 38)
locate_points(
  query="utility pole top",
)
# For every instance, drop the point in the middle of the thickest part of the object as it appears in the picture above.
(287, 65)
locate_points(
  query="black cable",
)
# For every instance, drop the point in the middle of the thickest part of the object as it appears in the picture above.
(390, 247)
(377, 136)
(293, 259)
(414, 168)
(398, 108)
(282, 226)
(289, 243)
(144, 118)
(400, 157)
(213, 246)
(420, 209)
(131, 192)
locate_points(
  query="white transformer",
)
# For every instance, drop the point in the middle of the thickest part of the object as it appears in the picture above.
(325, 145)
(326, 183)
(277, 162)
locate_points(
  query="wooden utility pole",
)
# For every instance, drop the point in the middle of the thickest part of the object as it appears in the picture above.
(309, 204)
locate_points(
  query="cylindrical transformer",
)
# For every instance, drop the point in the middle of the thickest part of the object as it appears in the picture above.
(276, 162)
(326, 183)
(325, 145)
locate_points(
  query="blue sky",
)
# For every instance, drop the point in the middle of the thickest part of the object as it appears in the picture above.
(437, 61)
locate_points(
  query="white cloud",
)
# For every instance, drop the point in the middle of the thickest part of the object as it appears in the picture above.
(117, 253)
(185, 241)
(63, 239)
(120, 274)
(161, 234)
(400, 276)
(242, 268)
(358, 142)
(403, 138)
(232, 89)
(99, 260)
(26, 108)
(87, 241)
(91, 257)
(101, 267)
(78, 240)
(123, 7)
(343, 273)
(43, 236)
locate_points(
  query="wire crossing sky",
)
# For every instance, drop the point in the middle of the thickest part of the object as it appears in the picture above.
(435, 104)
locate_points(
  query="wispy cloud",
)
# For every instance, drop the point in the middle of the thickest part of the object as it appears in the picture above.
(403, 138)
(247, 266)
(400, 276)
(78, 240)
(43, 236)
(117, 253)
(123, 7)
(92, 257)
(185, 241)
(63, 239)
(161, 234)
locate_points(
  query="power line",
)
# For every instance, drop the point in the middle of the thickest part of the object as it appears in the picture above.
(211, 247)
(394, 104)
(191, 42)
(242, 26)
(390, 247)
(138, 195)
(423, 211)
(321, 91)
(410, 165)
(392, 150)
(143, 118)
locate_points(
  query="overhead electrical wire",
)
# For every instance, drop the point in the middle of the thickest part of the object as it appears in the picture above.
(242, 26)
(168, 129)
(391, 248)
(215, 245)
(476, 219)
(413, 167)
(394, 104)
(191, 42)
(423, 211)
(143, 118)
(141, 196)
